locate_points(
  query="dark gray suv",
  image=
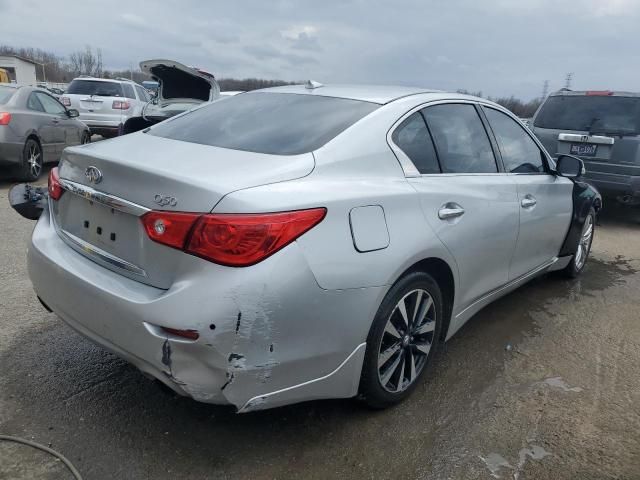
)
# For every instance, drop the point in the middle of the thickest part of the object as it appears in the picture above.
(603, 129)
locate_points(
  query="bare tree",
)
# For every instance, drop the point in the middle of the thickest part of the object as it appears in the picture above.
(86, 62)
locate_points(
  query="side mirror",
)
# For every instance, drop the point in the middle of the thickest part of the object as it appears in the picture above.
(73, 113)
(569, 166)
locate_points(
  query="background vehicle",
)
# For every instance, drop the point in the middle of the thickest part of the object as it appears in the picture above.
(180, 88)
(4, 76)
(311, 242)
(34, 129)
(105, 104)
(603, 129)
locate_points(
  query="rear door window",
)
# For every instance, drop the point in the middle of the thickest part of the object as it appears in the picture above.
(461, 139)
(413, 138)
(273, 123)
(591, 113)
(520, 153)
(34, 104)
(142, 93)
(95, 87)
(128, 91)
(50, 104)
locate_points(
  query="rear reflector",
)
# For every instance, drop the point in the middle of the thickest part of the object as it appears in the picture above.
(169, 228)
(120, 105)
(188, 334)
(599, 93)
(54, 187)
(66, 101)
(5, 118)
(235, 240)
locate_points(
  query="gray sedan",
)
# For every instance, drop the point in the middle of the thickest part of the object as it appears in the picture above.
(299, 243)
(34, 129)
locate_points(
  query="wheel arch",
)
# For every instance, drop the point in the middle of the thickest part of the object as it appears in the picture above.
(585, 197)
(442, 273)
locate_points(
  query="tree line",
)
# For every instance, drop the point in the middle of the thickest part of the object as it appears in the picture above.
(88, 61)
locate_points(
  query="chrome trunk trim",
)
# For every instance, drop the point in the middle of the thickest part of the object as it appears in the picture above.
(111, 201)
(574, 137)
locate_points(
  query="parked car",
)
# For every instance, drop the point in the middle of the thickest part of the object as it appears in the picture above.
(298, 243)
(105, 104)
(180, 88)
(603, 129)
(34, 129)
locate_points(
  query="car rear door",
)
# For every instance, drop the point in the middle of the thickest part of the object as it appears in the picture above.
(467, 200)
(44, 124)
(63, 127)
(545, 199)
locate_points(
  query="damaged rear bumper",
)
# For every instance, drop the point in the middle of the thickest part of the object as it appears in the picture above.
(265, 340)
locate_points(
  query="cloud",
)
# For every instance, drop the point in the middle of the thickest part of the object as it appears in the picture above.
(500, 47)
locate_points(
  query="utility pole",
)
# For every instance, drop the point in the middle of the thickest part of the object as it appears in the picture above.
(545, 89)
(567, 80)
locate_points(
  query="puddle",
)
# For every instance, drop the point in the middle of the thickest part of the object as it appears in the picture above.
(558, 382)
(496, 462)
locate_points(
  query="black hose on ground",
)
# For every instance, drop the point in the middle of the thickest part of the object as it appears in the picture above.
(50, 451)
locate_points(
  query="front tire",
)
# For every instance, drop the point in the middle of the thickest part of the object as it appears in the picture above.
(32, 161)
(579, 260)
(402, 341)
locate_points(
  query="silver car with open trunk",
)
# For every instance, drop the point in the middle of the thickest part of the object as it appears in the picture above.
(304, 242)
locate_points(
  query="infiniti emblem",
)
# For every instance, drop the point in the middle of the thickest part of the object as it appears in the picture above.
(93, 174)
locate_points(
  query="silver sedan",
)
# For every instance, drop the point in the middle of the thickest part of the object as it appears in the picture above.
(34, 129)
(304, 242)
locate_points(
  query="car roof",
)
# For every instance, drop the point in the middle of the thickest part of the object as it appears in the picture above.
(10, 85)
(112, 80)
(594, 93)
(367, 93)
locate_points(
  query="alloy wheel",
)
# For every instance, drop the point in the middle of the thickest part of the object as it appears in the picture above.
(34, 160)
(407, 340)
(584, 244)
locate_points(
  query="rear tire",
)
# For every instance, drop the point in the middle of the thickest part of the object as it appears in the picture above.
(581, 255)
(402, 341)
(32, 161)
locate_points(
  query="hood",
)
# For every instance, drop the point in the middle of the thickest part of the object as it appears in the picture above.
(179, 83)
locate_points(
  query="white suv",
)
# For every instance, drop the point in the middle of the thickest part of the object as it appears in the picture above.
(105, 104)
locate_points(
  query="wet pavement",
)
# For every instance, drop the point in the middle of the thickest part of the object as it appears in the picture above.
(543, 384)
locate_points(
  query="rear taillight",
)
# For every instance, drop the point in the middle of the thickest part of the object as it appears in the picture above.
(236, 240)
(5, 118)
(55, 189)
(66, 101)
(120, 105)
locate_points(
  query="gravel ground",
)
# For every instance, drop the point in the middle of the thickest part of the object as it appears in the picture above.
(543, 384)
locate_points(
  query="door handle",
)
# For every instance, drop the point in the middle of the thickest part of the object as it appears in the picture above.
(450, 210)
(55, 120)
(528, 201)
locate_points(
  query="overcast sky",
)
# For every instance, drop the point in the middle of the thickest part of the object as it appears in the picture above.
(500, 47)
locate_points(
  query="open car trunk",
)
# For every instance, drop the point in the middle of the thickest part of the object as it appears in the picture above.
(180, 88)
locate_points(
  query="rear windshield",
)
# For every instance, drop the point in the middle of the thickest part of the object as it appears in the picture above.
(6, 93)
(595, 114)
(273, 123)
(95, 87)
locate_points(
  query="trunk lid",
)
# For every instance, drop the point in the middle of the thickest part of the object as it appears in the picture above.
(179, 83)
(154, 173)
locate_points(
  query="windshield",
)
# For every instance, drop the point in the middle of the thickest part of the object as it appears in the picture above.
(273, 123)
(593, 114)
(6, 93)
(95, 87)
